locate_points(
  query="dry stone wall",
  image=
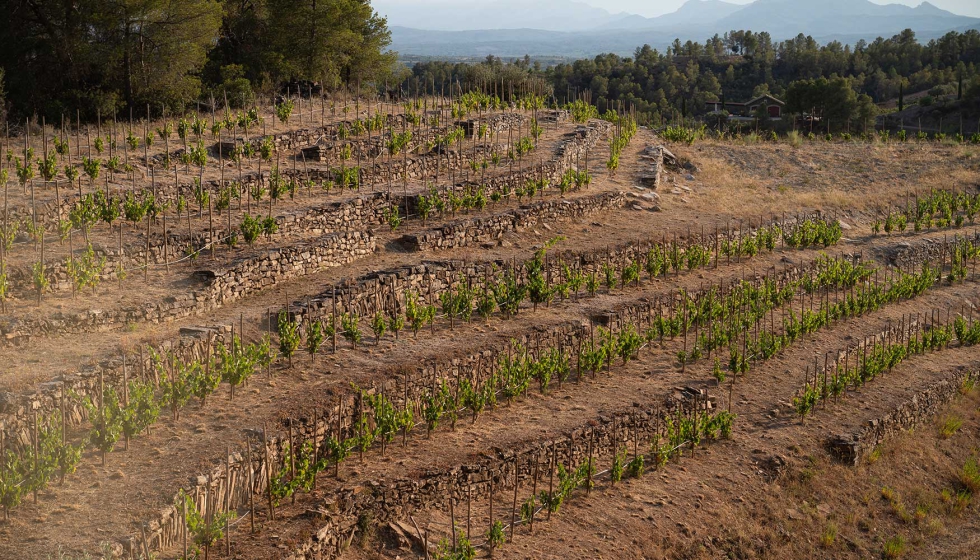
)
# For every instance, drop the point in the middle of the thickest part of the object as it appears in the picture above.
(386, 291)
(853, 447)
(911, 256)
(656, 158)
(387, 501)
(166, 529)
(482, 230)
(392, 500)
(355, 214)
(496, 122)
(17, 409)
(231, 483)
(245, 276)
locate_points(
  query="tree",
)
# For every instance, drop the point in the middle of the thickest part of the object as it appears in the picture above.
(866, 109)
(328, 40)
(971, 95)
(163, 47)
(103, 57)
(760, 90)
(834, 100)
(3, 98)
(97, 55)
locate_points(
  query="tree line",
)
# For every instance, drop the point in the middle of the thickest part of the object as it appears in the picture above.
(841, 82)
(102, 57)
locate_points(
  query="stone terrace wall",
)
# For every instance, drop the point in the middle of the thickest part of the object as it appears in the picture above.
(396, 499)
(247, 275)
(914, 255)
(339, 418)
(409, 387)
(569, 151)
(356, 214)
(573, 146)
(385, 291)
(392, 499)
(353, 214)
(496, 122)
(17, 409)
(853, 447)
(48, 212)
(481, 230)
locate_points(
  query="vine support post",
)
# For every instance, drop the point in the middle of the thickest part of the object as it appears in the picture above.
(588, 484)
(292, 458)
(228, 502)
(185, 527)
(251, 485)
(316, 451)
(452, 519)
(125, 389)
(513, 509)
(268, 472)
(491, 534)
(534, 489)
(37, 452)
(551, 479)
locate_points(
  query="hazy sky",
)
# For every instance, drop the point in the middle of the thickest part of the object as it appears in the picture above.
(650, 8)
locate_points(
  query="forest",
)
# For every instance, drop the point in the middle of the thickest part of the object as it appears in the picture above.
(103, 58)
(96, 56)
(742, 64)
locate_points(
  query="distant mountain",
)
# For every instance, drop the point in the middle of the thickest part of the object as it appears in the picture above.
(787, 18)
(693, 13)
(571, 29)
(518, 42)
(546, 15)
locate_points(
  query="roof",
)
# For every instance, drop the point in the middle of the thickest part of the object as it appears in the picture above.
(750, 102)
(766, 96)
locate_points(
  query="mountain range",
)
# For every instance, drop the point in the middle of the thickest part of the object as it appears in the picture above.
(574, 29)
(546, 15)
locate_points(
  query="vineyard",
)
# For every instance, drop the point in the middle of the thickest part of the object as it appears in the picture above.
(472, 326)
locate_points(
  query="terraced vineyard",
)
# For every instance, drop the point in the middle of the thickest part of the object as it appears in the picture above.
(458, 327)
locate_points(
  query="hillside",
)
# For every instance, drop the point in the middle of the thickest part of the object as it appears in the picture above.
(552, 332)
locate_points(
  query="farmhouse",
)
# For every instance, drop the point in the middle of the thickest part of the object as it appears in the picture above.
(748, 110)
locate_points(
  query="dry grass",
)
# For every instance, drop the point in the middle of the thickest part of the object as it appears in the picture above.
(857, 177)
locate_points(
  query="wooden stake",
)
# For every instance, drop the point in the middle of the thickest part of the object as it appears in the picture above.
(268, 472)
(251, 485)
(513, 509)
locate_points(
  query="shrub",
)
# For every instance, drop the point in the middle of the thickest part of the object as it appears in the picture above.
(829, 535)
(969, 475)
(949, 426)
(794, 138)
(894, 547)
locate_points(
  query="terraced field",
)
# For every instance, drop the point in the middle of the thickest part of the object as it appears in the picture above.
(439, 329)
